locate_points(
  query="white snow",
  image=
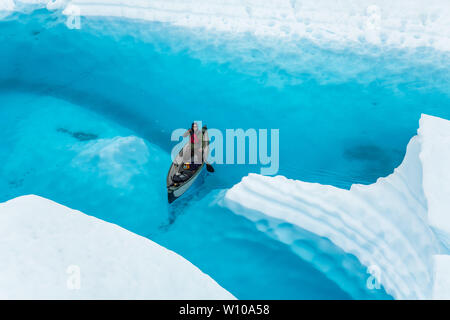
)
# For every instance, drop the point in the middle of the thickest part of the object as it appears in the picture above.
(48, 251)
(387, 225)
(435, 159)
(401, 23)
(441, 287)
(7, 5)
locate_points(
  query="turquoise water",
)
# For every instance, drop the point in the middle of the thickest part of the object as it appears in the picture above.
(86, 117)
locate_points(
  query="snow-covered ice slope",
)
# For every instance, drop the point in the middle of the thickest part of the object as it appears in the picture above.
(45, 246)
(401, 23)
(435, 159)
(441, 288)
(7, 5)
(387, 225)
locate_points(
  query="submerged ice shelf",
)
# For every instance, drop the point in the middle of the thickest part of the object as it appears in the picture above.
(396, 227)
(48, 142)
(53, 252)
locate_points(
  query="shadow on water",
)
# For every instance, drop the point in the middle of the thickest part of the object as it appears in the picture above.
(195, 193)
(80, 136)
(366, 153)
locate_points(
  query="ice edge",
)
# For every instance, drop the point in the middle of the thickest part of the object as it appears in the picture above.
(398, 224)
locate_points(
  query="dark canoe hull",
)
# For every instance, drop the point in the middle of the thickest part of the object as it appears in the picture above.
(177, 190)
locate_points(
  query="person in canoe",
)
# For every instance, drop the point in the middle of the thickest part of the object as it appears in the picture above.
(195, 145)
(189, 163)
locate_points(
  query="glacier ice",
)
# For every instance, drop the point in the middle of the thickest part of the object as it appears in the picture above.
(330, 42)
(397, 225)
(6, 8)
(442, 280)
(7, 5)
(381, 22)
(44, 243)
(119, 159)
(435, 158)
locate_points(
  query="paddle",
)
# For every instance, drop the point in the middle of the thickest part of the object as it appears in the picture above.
(209, 167)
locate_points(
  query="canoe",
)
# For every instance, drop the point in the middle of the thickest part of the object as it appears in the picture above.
(175, 187)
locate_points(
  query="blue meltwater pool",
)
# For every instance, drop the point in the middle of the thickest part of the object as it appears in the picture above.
(86, 117)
